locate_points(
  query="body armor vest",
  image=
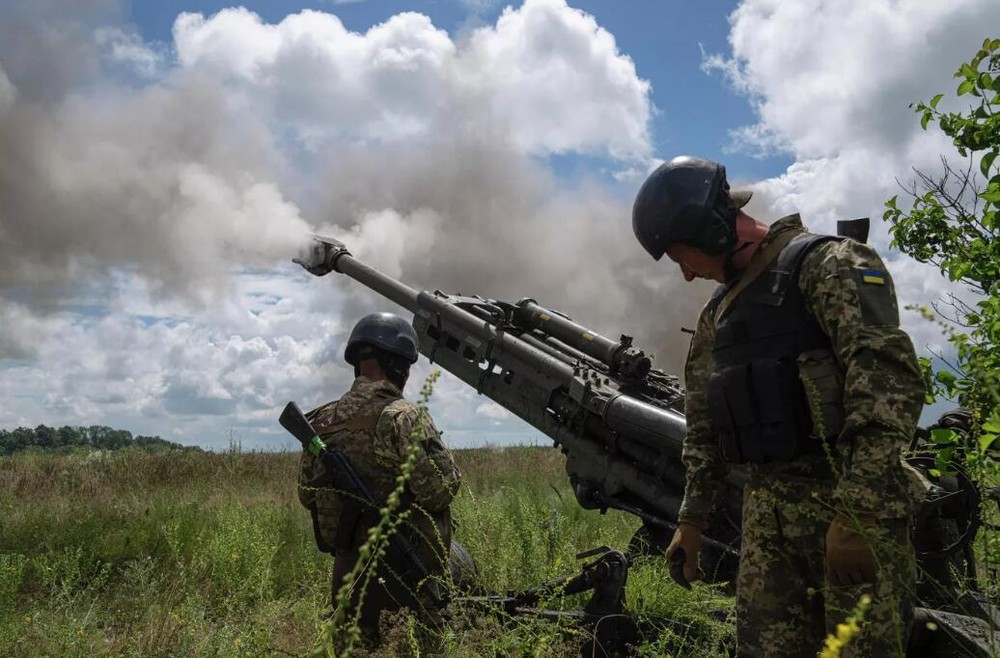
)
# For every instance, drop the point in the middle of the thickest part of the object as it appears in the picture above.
(760, 409)
(339, 522)
(343, 522)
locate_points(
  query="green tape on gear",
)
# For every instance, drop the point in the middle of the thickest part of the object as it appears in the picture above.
(316, 446)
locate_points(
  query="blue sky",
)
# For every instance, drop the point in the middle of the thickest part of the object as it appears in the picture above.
(161, 168)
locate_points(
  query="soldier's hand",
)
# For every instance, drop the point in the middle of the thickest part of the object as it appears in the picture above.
(849, 558)
(682, 553)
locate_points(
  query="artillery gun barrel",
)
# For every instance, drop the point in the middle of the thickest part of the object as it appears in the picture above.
(370, 277)
(433, 305)
(617, 355)
(643, 422)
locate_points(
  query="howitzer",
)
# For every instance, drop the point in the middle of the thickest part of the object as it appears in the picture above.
(620, 424)
(619, 421)
(347, 480)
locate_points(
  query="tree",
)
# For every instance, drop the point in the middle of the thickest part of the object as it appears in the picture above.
(45, 437)
(954, 223)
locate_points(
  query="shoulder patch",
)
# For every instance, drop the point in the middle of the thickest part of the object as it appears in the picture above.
(873, 277)
(876, 298)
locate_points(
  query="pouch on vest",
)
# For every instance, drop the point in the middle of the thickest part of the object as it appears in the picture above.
(756, 394)
(823, 381)
(321, 543)
(756, 407)
(326, 511)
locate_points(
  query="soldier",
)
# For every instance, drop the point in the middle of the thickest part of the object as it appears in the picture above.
(379, 431)
(797, 369)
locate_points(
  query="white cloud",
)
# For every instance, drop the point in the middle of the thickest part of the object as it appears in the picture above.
(835, 96)
(545, 76)
(493, 411)
(825, 77)
(233, 365)
(130, 50)
(559, 80)
(22, 330)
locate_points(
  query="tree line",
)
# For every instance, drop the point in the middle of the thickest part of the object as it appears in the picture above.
(67, 439)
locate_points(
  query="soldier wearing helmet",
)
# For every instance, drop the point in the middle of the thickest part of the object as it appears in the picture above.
(798, 370)
(379, 431)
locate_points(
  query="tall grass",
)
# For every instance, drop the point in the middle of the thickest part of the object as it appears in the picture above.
(196, 554)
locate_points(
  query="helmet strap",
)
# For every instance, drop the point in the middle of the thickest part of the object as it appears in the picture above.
(729, 270)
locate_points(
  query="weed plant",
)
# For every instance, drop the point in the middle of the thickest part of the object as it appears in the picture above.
(197, 554)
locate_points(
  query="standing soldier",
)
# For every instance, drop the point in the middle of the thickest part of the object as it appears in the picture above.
(379, 432)
(798, 369)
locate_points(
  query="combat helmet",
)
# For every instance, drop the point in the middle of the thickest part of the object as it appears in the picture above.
(386, 332)
(687, 200)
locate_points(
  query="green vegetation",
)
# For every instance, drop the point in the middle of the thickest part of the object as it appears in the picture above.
(67, 439)
(953, 222)
(194, 554)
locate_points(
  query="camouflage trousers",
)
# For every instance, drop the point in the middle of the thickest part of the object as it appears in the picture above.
(785, 606)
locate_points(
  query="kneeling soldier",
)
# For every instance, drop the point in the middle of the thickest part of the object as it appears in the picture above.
(379, 432)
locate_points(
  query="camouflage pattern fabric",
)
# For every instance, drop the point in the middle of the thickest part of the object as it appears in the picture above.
(784, 606)
(377, 429)
(883, 388)
(850, 293)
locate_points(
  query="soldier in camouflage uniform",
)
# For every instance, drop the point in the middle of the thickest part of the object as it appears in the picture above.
(797, 369)
(379, 431)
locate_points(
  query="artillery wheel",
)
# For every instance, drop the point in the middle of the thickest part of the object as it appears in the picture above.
(464, 572)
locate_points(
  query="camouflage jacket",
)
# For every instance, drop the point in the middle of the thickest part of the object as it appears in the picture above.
(378, 452)
(882, 397)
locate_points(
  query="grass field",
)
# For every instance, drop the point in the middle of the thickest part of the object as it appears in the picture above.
(202, 554)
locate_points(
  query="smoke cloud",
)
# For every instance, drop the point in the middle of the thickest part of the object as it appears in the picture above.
(420, 151)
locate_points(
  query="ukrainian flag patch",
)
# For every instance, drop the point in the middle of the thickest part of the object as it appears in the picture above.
(873, 276)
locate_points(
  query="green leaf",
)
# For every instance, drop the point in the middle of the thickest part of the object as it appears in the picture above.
(966, 87)
(987, 162)
(943, 436)
(945, 378)
(992, 426)
(936, 100)
(924, 120)
(985, 441)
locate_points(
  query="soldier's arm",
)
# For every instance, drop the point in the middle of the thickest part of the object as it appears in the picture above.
(850, 293)
(705, 466)
(435, 479)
